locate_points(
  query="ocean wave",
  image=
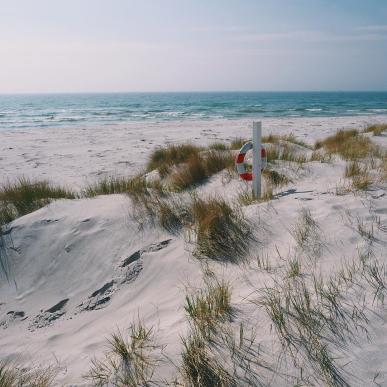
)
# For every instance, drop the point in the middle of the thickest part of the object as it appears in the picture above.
(377, 110)
(253, 109)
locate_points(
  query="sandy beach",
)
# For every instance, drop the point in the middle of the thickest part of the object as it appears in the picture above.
(78, 156)
(81, 269)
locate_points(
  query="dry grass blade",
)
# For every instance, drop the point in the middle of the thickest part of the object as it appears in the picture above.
(199, 167)
(199, 367)
(163, 158)
(376, 129)
(109, 185)
(221, 231)
(209, 305)
(25, 195)
(129, 360)
(12, 374)
(349, 144)
(237, 143)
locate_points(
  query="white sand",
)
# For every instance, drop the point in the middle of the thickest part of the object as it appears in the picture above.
(76, 157)
(70, 249)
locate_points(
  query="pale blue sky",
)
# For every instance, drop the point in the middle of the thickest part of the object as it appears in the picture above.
(172, 45)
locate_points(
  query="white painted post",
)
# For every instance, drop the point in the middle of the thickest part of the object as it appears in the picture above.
(257, 134)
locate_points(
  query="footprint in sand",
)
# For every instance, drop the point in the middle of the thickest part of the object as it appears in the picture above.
(47, 317)
(133, 264)
(129, 269)
(99, 298)
(12, 317)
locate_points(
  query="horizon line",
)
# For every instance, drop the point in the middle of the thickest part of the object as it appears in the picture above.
(188, 91)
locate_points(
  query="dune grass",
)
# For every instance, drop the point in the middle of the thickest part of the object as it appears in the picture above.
(206, 309)
(114, 185)
(164, 158)
(199, 366)
(237, 143)
(376, 129)
(284, 152)
(25, 195)
(349, 144)
(359, 174)
(13, 374)
(221, 231)
(275, 139)
(200, 167)
(209, 305)
(219, 146)
(129, 360)
(312, 324)
(247, 197)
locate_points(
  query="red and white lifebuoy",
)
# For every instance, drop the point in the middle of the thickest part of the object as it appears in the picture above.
(240, 161)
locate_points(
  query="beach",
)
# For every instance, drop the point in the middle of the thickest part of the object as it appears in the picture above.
(75, 156)
(81, 269)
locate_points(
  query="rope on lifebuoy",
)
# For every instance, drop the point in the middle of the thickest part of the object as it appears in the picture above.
(240, 161)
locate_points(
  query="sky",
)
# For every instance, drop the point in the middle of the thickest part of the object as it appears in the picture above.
(192, 45)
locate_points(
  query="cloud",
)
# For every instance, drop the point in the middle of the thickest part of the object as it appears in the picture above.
(374, 28)
(312, 36)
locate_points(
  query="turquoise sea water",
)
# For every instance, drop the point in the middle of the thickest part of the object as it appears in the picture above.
(59, 110)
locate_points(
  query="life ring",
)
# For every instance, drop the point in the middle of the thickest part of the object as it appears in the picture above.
(240, 161)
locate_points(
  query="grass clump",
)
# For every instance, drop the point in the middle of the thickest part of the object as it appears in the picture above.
(349, 144)
(275, 179)
(307, 234)
(129, 360)
(199, 367)
(115, 185)
(376, 129)
(13, 374)
(209, 305)
(284, 152)
(199, 167)
(247, 197)
(219, 146)
(275, 139)
(312, 324)
(25, 195)
(191, 174)
(164, 158)
(221, 231)
(359, 174)
(237, 143)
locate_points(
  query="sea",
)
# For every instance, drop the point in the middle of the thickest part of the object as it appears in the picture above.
(75, 110)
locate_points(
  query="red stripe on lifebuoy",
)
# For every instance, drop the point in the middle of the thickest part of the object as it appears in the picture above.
(246, 176)
(240, 158)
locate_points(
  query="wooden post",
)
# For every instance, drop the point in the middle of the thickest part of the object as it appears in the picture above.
(257, 135)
